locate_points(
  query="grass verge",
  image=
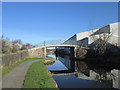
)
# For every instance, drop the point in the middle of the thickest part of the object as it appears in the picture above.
(10, 67)
(38, 77)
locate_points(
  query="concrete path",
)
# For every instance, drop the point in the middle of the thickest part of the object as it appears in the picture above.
(15, 78)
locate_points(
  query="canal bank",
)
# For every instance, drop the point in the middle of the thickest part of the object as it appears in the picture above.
(39, 77)
(85, 75)
(16, 76)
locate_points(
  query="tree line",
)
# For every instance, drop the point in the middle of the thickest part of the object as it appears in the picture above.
(13, 46)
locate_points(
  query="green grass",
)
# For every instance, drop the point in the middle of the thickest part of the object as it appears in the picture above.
(38, 77)
(10, 67)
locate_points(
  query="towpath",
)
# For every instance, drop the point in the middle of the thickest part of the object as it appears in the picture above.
(15, 78)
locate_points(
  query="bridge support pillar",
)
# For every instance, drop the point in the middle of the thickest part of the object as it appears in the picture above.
(45, 52)
(75, 52)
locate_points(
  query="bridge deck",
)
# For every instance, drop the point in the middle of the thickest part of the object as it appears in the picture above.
(60, 46)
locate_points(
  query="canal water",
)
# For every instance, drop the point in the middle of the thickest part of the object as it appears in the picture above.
(70, 73)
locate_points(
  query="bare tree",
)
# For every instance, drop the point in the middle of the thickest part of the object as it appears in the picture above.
(17, 42)
(100, 41)
(26, 46)
(12, 46)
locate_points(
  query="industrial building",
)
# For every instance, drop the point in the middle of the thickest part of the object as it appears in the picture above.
(111, 33)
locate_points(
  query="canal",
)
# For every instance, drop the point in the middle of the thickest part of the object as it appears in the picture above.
(71, 73)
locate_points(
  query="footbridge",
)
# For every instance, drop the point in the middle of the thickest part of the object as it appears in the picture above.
(63, 45)
(57, 44)
(73, 48)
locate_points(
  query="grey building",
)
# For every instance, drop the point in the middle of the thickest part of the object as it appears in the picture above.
(111, 32)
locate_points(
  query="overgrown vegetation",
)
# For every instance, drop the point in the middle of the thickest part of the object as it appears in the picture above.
(13, 46)
(38, 77)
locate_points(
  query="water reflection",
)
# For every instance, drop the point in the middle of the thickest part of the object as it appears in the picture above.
(71, 81)
(88, 75)
(57, 66)
(100, 73)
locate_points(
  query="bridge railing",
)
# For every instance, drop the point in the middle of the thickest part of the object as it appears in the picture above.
(61, 42)
(50, 42)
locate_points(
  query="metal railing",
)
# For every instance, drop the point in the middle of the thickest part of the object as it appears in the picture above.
(50, 42)
(61, 42)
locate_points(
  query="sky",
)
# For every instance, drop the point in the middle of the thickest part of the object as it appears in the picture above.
(33, 22)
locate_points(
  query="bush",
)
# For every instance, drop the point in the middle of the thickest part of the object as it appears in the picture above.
(12, 46)
(15, 48)
(6, 47)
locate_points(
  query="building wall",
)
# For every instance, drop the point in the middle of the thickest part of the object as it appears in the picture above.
(90, 36)
(109, 32)
(119, 34)
(83, 42)
(81, 39)
(114, 31)
(71, 41)
(98, 33)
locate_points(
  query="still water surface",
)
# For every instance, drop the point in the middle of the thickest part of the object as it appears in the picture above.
(86, 75)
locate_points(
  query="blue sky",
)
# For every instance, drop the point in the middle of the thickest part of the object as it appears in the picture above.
(33, 22)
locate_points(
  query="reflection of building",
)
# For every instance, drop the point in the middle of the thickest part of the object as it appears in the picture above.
(107, 76)
(116, 80)
(111, 78)
(85, 38)
(70, 64)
